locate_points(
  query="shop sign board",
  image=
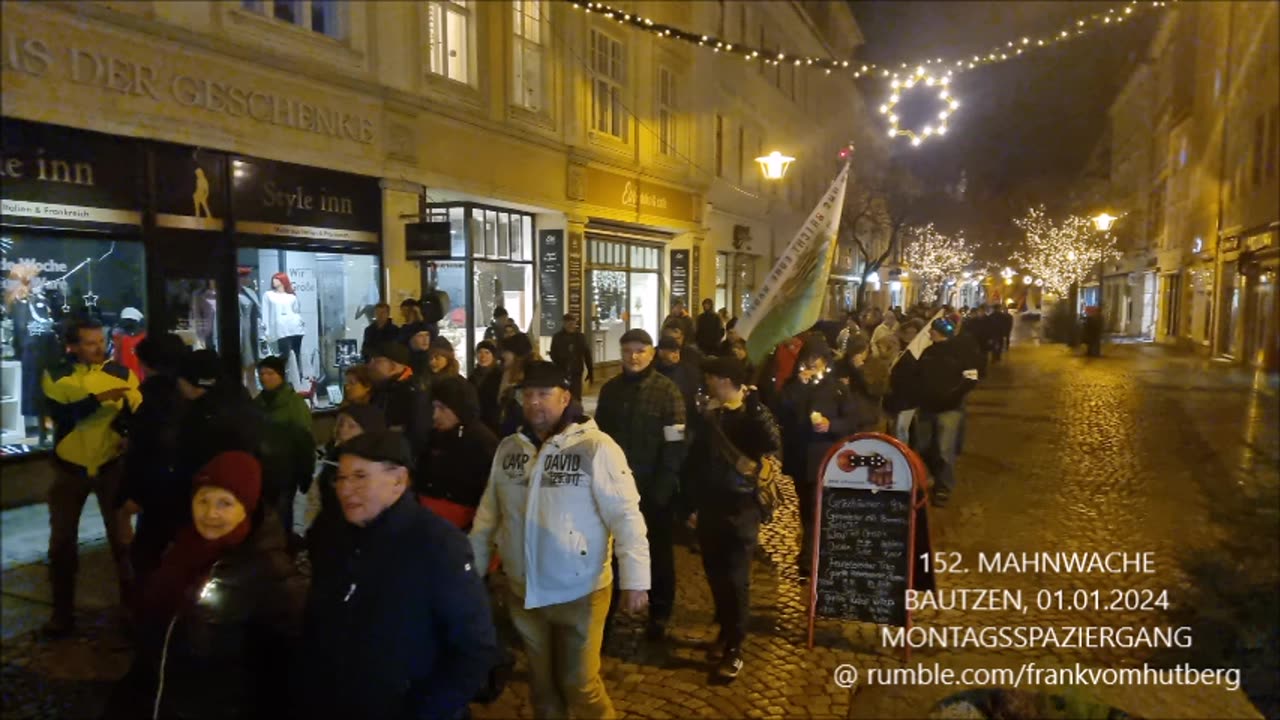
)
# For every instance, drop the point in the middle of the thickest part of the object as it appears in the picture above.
(52, 176)
(190, 188)
(680, 276)
(550, 281)
(574, 265)
(611, 190)
(285, 200)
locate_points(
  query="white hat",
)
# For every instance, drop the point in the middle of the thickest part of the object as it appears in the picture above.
(131, 313)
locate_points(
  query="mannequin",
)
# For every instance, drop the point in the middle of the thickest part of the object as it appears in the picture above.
(251, 329)
(204, 316)
(34, 307)
(282, 314)
(128, 333)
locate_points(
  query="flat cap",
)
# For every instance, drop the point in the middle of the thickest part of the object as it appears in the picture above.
(387, 446)
(636, 335)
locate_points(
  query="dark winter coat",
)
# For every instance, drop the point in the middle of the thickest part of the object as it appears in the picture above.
(487, 382)
(802, 446)
(457, 463)
(374, 336)
(406, 405)
(712, 480)
(222, 419)
(223, 655)
(397, 624)
(945, 374)
(710, 332)
(904, 390)
(688, 380)
(571, 353)
(638, 411)
(152, 455)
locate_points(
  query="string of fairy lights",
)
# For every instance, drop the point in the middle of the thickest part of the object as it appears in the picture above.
(929, 72)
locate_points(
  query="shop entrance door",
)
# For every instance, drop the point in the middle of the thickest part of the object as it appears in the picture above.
(189, 283)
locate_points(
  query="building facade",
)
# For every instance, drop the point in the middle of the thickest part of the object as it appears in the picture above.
(1195, 147)
(256, 175)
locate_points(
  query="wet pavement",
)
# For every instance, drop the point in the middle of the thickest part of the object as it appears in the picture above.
(1138, 451)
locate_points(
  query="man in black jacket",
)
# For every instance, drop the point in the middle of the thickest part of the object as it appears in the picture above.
(946, 371)
(814, 410)
(379, 331)
(402, 396)
(572, 355)
(710, 329)
(397, 622)
(726, 461)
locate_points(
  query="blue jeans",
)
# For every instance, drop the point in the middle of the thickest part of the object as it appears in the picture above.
(938, 439)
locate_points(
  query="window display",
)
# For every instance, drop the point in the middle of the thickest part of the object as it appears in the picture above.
(49, 278)
(624, 283)
(304, 307)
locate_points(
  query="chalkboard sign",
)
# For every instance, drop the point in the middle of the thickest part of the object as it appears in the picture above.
(870, 526)
(680, 276)
(550, 281)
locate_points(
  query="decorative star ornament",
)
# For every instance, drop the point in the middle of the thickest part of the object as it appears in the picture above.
(66, 307)
(90, 299)
(902, 84)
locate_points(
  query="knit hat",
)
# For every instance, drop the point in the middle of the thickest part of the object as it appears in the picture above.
(543, 374)
(459, 396)
(369, 418)
(273, 362)
(727, 367)
(815, 346)
(944, 327)
(388, 446)
(393, 351)
(636, 335)
(235, 471)
(201, 368)
(441, 344)
(487, 345)
(518, 344)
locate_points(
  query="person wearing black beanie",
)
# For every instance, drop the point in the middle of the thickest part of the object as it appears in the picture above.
(453, 472)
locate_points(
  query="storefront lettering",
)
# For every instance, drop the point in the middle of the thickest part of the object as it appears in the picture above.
(647, 199)
(48, 170)
(98, 69)
(273, 197)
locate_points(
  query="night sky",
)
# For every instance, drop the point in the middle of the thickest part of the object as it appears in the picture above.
(1024, 123)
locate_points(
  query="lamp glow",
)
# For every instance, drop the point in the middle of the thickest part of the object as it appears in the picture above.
(1103, 221)
(775, 165)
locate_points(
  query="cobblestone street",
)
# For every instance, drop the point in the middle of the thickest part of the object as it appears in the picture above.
(1138, 451)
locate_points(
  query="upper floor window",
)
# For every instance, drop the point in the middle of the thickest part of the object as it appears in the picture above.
(449, 39)
(667, 109)
(528, 54)
(608, 79)
(321, 16)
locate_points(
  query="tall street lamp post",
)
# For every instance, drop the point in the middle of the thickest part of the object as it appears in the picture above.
(1103, 222)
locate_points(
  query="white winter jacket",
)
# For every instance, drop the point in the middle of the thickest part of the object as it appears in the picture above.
(553, 513)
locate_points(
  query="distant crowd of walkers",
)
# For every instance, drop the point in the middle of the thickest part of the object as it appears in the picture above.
(442, 498)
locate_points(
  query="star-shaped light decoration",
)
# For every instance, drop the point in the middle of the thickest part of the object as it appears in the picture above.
(920, 77)
(66, 307)
(90, 300)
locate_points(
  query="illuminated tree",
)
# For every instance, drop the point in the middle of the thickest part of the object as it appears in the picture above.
(1062, 252)
(935, 257)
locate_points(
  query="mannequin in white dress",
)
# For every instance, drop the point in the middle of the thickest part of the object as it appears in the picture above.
(282, 315)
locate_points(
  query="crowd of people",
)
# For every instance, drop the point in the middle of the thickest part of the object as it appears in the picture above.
(442, 499)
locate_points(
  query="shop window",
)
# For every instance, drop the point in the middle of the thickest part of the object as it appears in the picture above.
(319, 16)
(667, 111)
(608, 83)
(744, 272)
(722, 280)
(528, 54)
(624, 285)
(50, 279)
(312, 310)
(449, 39)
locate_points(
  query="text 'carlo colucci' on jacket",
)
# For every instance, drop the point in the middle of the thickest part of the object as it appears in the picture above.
(397, 625)
(645, 414)
(83, 430)
(551, 510)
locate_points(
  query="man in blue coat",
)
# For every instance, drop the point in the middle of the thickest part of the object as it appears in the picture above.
(398, 622)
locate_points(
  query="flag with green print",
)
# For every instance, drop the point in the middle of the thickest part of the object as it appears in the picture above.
(791, 298)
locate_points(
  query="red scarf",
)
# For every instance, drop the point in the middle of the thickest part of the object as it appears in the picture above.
(184, 568)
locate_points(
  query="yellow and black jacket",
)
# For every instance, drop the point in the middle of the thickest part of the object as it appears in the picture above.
(82, 425)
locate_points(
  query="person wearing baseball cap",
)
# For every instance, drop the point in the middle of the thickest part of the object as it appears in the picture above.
(945, 373)
(560, 494)
(222, 612)
(728, 456)
(398, 622)
(400, 394)
(644, 412)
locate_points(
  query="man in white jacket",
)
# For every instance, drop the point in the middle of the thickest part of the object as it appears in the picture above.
(559, 496)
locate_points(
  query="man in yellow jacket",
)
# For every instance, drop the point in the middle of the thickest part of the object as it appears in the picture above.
(86, 392)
